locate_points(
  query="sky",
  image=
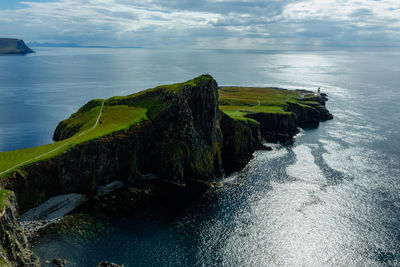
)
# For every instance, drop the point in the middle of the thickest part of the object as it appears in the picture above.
(216, 24)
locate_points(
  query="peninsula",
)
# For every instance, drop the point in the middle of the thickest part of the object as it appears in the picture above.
(182, 135)
(13, 47)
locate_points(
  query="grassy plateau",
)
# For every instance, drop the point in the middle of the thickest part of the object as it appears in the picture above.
(237, 102)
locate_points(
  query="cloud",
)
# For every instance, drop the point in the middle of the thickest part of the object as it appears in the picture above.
(208, 23)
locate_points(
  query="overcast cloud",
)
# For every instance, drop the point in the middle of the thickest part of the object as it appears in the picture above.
(250, 24)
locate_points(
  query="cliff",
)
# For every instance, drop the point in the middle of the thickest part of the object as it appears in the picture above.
(173, 136)
(14, 249)
(169, 132)
(277, 111)
(14, 46)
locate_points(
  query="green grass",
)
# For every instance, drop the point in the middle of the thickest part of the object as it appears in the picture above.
(176, 87)
(113, 118)
(256, 96)
(237, 102)
(85, 117)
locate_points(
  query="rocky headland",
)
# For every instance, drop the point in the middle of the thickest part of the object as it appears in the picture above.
(182, 136)
(10, 46)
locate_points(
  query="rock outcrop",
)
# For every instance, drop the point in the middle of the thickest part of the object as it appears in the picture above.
(283, 126)
(276, 126)
(240, 139)
(108, 264)
(14, 249)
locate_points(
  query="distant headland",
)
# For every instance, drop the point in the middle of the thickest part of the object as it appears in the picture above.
(9, 46)
(73, 45)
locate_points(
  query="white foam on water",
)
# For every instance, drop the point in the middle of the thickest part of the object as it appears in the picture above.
(305, 168)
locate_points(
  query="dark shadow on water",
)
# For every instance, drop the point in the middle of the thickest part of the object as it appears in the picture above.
(309, 126)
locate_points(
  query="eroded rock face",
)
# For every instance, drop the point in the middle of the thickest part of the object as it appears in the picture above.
(185, 141)
(240, 140)
(282, 127)
(304, 114)
(276, 126)
(14, 249)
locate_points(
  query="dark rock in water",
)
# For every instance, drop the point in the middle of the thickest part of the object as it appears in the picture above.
(59, 262)
(265, 148)
(124, 201)
(108, 264)
(14, 46)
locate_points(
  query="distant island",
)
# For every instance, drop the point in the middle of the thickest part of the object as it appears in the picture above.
(72, 45)
(9, 46)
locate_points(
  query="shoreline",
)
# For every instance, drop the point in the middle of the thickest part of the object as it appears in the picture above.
(190, 135)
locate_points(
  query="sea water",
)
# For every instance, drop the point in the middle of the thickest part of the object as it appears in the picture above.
(329, 198)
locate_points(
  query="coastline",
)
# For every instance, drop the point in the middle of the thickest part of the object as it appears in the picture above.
(229, 143)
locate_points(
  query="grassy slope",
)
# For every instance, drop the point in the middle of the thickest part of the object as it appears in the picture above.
(236, 102)
(115, 116)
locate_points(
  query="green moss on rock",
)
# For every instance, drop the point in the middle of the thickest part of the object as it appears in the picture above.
(4, 194)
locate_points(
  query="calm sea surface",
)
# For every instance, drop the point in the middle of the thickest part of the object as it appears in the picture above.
(331, 198)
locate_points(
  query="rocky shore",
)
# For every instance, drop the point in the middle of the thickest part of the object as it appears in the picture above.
(186, 141)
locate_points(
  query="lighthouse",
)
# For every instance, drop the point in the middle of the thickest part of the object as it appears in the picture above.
(319, 91)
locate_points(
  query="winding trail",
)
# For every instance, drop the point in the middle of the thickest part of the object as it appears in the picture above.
(59, 147)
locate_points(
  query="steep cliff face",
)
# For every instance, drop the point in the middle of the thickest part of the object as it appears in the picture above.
(240, 139)
(13, 244)
(276, 126)
(180, 143)
(304, 114)
(283, 126)
(184, 142)
(318, 102)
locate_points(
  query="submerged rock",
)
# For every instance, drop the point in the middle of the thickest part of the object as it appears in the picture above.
(59, 262)
(108, 264)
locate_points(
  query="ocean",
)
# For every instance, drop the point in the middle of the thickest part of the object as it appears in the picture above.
(329, 198)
